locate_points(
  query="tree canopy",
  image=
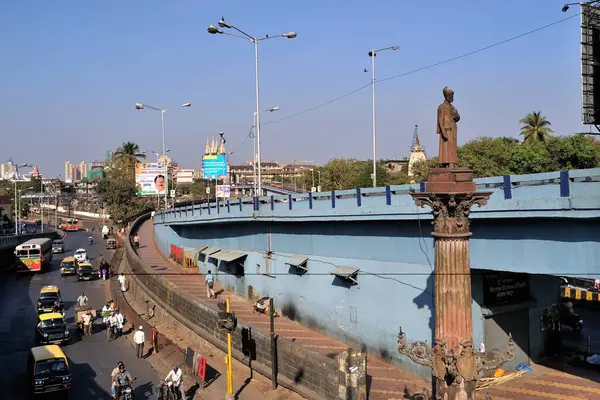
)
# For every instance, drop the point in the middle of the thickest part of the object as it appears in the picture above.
(116, 190)
(486, 156)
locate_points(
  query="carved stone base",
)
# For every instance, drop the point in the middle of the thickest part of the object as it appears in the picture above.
(450, 180)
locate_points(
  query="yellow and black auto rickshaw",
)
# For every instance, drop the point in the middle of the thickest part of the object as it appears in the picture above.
(48, 369)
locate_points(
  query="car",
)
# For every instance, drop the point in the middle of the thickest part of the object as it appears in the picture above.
(48, 370)
(58, 246)
(50, 300)
(68, 266)
(81, 255)
(85, 272)
(51, 329)
(111, 244)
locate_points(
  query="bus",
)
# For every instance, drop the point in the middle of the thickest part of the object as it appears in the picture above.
(72, 225)
(34, 255)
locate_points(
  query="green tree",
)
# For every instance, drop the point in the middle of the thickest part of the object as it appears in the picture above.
(131, 151)
(573, 152)
(341, 174)
(117, 189)
(487, 156)
(536, 127)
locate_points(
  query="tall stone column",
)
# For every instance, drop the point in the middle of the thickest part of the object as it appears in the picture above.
(451, 193)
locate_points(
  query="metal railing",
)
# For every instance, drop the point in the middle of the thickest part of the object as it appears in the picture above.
(560, 181)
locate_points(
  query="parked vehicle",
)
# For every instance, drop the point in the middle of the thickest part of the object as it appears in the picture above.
(58, 246)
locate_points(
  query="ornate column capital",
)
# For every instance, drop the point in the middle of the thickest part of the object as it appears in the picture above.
(451, 211)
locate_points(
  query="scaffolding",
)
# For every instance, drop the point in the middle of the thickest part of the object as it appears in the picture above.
(590, 63)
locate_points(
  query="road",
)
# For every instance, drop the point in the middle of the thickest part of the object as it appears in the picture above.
(591, 329)
(91, 358)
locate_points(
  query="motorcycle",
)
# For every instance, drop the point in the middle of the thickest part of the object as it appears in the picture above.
(569, 318)
(125, 392)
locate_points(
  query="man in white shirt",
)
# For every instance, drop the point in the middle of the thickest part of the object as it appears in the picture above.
(138, 338)
(176, 377)
(82, 300)
(120, 321)
(122, 279)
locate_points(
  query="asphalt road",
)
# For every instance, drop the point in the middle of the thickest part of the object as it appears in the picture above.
(91, 358)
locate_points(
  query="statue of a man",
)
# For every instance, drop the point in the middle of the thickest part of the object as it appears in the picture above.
(447, 117)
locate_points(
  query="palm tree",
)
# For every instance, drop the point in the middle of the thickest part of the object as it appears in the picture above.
(131, 151)
(536, 128)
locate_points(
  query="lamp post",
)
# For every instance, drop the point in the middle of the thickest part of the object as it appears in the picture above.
(42, 203)
(243, 35)
(254, 136)
(141, 106)
(17, 202)
(372, 54)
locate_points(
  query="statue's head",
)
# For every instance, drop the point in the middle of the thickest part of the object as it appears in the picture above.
(448, 94)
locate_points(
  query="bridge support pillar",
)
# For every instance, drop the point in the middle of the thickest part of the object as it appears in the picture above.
(455, 365)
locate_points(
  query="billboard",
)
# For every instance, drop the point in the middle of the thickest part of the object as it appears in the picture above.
(590, 64)
(150, 179)
(214, 166)
(223, 191)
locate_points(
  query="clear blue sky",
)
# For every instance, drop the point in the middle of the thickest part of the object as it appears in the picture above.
(71, 72)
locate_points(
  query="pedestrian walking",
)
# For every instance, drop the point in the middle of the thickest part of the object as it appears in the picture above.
(122, 279)
(210, 283)
(87, 324)
(139, 338)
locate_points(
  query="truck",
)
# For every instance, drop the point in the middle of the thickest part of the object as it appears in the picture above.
(105, 232)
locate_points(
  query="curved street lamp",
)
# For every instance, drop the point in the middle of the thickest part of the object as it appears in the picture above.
(214, 30)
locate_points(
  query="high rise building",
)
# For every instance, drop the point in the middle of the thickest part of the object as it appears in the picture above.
(3, 171)
(68, 172)
(83, 170)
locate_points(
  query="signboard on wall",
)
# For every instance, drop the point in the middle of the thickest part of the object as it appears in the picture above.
(150, 179)
(214, 166)
(505, 287)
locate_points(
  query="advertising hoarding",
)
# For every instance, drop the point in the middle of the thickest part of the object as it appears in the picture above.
(150, 179)
(214, 166)
(223, 191)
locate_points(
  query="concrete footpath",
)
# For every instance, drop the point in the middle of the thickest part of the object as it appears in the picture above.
(245, 384)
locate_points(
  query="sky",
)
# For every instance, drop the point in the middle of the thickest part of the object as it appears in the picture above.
(71, 72)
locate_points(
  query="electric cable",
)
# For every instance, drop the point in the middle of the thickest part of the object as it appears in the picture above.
(491, 46)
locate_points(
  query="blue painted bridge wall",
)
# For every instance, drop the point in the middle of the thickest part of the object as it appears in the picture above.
(536, 228)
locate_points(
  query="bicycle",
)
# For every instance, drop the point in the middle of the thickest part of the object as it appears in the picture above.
(168, 392)
(111, 333)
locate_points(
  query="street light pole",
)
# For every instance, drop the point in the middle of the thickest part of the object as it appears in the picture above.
(243, 35)
(41, 203)
(372, 54)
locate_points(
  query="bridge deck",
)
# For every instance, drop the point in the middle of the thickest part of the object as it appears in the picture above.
(387, 381)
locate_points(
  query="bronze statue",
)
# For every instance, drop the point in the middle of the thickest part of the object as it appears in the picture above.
(447, 117)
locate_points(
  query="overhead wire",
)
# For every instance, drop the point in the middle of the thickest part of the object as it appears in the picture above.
(491, 46)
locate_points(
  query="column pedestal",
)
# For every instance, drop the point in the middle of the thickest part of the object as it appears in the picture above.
(450, 192)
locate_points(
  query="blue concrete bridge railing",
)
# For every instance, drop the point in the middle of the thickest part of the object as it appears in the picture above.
(564, 194)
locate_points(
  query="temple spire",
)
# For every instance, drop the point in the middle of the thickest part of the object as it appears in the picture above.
(416, 145)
